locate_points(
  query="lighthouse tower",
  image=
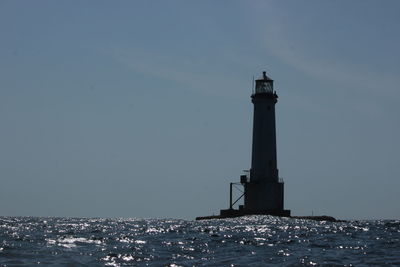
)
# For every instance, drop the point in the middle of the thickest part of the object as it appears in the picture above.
(264, 189)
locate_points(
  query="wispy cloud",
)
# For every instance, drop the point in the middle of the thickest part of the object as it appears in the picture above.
(194, 73)
(277, 37)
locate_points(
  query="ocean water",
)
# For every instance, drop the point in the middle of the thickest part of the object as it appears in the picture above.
(251, 240)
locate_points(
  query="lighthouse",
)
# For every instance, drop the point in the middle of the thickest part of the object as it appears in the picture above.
(263, 189)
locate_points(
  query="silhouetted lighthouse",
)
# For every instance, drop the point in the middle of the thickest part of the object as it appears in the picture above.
(263, 189)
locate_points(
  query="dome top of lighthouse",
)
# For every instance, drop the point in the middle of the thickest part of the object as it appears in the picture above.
(264, 77)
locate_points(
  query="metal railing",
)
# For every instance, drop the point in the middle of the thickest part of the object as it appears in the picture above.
(231, 194)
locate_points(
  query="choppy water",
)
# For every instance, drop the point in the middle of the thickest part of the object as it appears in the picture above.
(252, 240)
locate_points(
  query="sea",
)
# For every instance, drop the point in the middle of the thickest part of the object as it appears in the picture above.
(243, 241)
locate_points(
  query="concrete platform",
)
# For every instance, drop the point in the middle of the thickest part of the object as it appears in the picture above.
(232, 213)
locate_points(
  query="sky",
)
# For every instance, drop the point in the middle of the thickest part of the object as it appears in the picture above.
(142, 109)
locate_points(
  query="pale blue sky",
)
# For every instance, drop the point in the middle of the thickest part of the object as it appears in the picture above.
(142, 108)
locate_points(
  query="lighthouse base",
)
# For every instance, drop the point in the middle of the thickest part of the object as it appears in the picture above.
(232, 213)
(242, 212)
